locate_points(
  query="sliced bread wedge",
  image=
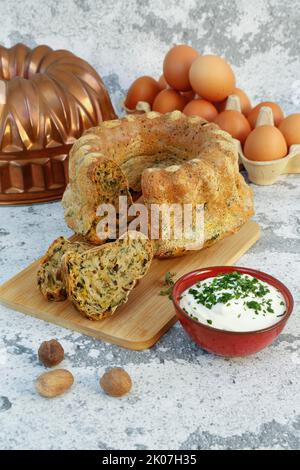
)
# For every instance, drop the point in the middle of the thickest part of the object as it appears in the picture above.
(100, 279)
(49, 278)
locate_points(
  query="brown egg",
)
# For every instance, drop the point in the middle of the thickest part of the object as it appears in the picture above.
(162, 82)
(244, 100)
(188, 95)
(265, 143)
(290, 127)
(142, 89)
(201, 108)
(212, 78)
(176, 66)
(168, 100)
(235, 123)
(277, 113)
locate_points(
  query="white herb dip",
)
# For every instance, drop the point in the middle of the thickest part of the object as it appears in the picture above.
(234, 302)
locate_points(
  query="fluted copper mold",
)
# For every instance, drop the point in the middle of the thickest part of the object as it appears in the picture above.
(47, 100)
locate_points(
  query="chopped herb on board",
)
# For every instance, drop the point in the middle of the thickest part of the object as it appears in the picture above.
(168, 284)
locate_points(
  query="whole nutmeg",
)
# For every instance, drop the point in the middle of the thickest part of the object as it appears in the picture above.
(116, 382)
(51, 353)
(54, 383)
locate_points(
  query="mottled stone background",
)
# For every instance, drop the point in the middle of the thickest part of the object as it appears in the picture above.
(183, 397)
(126, 39)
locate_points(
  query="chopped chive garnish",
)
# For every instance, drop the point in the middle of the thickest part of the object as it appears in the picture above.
(238, 287)
(168, 284)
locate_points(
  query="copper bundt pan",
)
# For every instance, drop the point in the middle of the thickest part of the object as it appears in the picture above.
(47, 100)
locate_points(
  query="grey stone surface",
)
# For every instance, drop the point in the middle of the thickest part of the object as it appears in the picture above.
(182, 397)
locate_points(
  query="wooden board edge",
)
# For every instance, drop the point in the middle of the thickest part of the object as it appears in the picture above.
(137, 345)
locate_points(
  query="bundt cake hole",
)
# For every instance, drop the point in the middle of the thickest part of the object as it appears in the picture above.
(134, 167)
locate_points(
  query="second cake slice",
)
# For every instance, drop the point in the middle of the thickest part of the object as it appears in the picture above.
(100, 279)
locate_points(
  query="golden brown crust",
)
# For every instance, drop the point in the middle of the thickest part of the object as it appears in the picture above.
(172, 158)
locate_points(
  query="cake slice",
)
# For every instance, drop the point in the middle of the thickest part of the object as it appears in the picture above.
(100, 279)
(49, 278)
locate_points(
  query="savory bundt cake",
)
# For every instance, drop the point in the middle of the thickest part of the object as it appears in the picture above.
(47, 100)
(169, 159)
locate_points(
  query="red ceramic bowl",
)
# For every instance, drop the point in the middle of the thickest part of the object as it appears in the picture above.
(229, 343)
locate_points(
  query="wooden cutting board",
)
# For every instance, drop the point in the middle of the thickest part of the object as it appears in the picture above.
(146, 316)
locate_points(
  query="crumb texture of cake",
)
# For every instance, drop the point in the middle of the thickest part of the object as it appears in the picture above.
(100, 279)
(171, 159)
(49, 276)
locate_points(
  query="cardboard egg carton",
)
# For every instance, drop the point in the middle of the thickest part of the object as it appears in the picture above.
(141, 108)
(266, 173)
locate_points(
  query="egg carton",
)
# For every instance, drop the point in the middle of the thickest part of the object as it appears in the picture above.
(265, 173)
(141, 107)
